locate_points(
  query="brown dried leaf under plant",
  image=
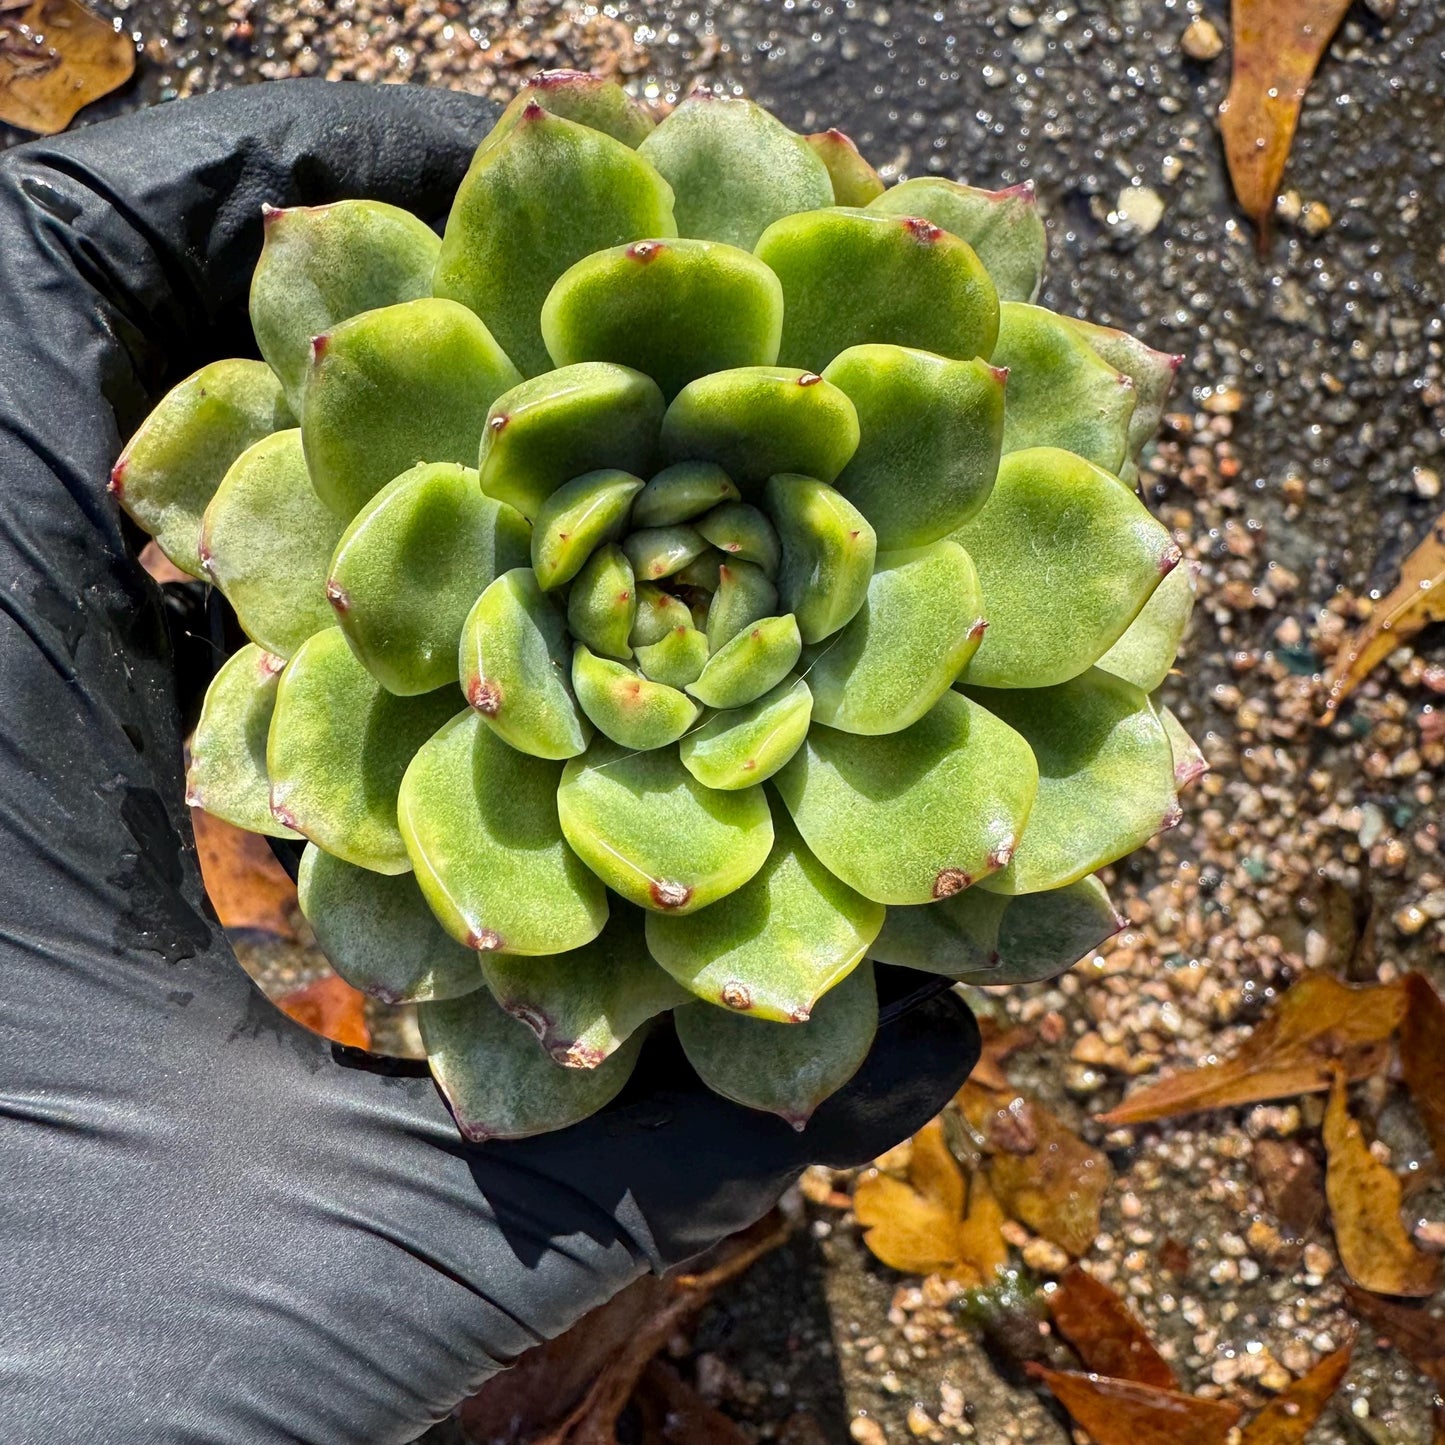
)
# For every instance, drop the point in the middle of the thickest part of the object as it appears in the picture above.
(56, 56)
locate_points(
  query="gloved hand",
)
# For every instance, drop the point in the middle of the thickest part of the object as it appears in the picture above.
(216, 1226)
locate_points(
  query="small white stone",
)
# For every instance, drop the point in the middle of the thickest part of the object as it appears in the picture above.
(1141, 206)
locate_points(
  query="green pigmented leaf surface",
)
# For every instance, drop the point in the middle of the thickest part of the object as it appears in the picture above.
(734, 169)
(742, 531)
(627, 707)
(338, 746)
(574, 420)
(758, 420)
(855, 182)
(852, 277)
(745, 594)
(674, 310)
(776, 945)
(585, 1004)
(499, 1084)
(379, 933)
(1003, 227)
(602, 603)
(916, 631)
(1146, 651)
(171, 467)
(1190, 764)
(538, 199)
(784, 1069)
(746, 745)
(702, 574)
(931, 433)
(516, 665)
(410, 567)
(676, 658)
(322, 264)
(481, 829)
(915, 815)
(658, 613)
(581, 96)
(750, 663)
(658, 552)
(1152, 373)
(654, 834)
(394, 387)
(1067, 557)
(1106, 777)
(681, 492)
(227, 772)
(828, 553)
(576, 519)
(266, 541)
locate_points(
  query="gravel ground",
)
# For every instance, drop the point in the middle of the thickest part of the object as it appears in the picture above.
(1300, 462)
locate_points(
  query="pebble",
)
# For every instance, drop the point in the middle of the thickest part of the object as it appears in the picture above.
(866, 1431)
(1141, 207)
(1315, 219)
(1201, 39)
(1427, 483)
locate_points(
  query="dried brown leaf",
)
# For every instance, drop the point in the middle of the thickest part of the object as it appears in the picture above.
(1292, 1183)
(1375, 1248)
(160, 567)
(1414, 1330)
(1122, 1412)
(1288, 1418)
(1277, 46)
(1416, 599)
(57, 56)
(247, 887)
(1422, 1057)
(1105, 1333)
(329, 1007)
(1314, 1027)
(998, 1045)
(673, 1413)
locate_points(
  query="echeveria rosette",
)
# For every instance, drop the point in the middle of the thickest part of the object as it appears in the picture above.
(701, 572)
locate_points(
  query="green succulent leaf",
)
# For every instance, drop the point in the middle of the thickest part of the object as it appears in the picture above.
(227, 772)
(1003, 227)
(746, 745)
(266, 541)
(915, 815)
(1106, 777)
(745, 594)
(602, 603)
(322, 264)
(754, 421)
(1067, 558)
(931, 432)
(379, 933)
(1190, 764)
(654, 834)
(481, 829)
(408, 569)
(1152, 373)
(338, 746)
(542, 196)
(676, 310)
(580, 96)
(499, 1084)
(734, 169)
(516, 665)
(171, 467)
(784, 1069)
(676, 658)
(633, 710)
(855, 182)
(742, 531)
(1145, 652)
(750, 663)
(658, 552)
(578, 419)
(583, 1005)
(576, 519)
(658, 613)
(829, 549)
(921, 623)
(394, 387)
(681, 492)
(852, 277)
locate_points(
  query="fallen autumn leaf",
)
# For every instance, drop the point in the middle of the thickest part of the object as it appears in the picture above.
(56, 56)
(329, 1007)
(1105, 1333)
(1290, 1416)
(1422, 1058)
(1415, 1331)
(247, 887)
(1121, 1412)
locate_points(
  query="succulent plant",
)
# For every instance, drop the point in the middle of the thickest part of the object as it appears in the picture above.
(698, 574)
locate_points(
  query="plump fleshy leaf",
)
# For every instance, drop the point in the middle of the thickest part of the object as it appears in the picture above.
(920, 624)
(379, 933)
(409, 568)
(1145, 652)
(775, 946)
(1190, 764)
(828, 553)
(931, 432)
(227, 772)
(632, 710)
(584, 97)
(602, 603)
(394, 387)
(266, 541)
(734, 169)
(754, 421)
(577, 419)
(1152, 373)
(516, 668)
(681, 492)
(547, 193)
(654, 834)
(855, 182)
(584, 1004)
(1003, 227)
(850, 277)
(676, 658)
(658, 613)
(746, 745)
(658, 552)
(499, 1084)
(171, 467)
(745, 594)
(739, 530)
(338, 746)
(1106, 777)
(1067, 558)
(322, 264)
(750, 663)
(576, 519)
(675, 310)
(1061, 392)
(991, 938)
(915, 815)
(481, 829)
(785, 1069)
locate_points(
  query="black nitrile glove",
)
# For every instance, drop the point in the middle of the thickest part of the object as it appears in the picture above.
(216, 1226)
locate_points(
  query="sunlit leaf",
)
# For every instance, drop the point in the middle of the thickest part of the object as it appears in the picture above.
(247, 887)
(329, 1007)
